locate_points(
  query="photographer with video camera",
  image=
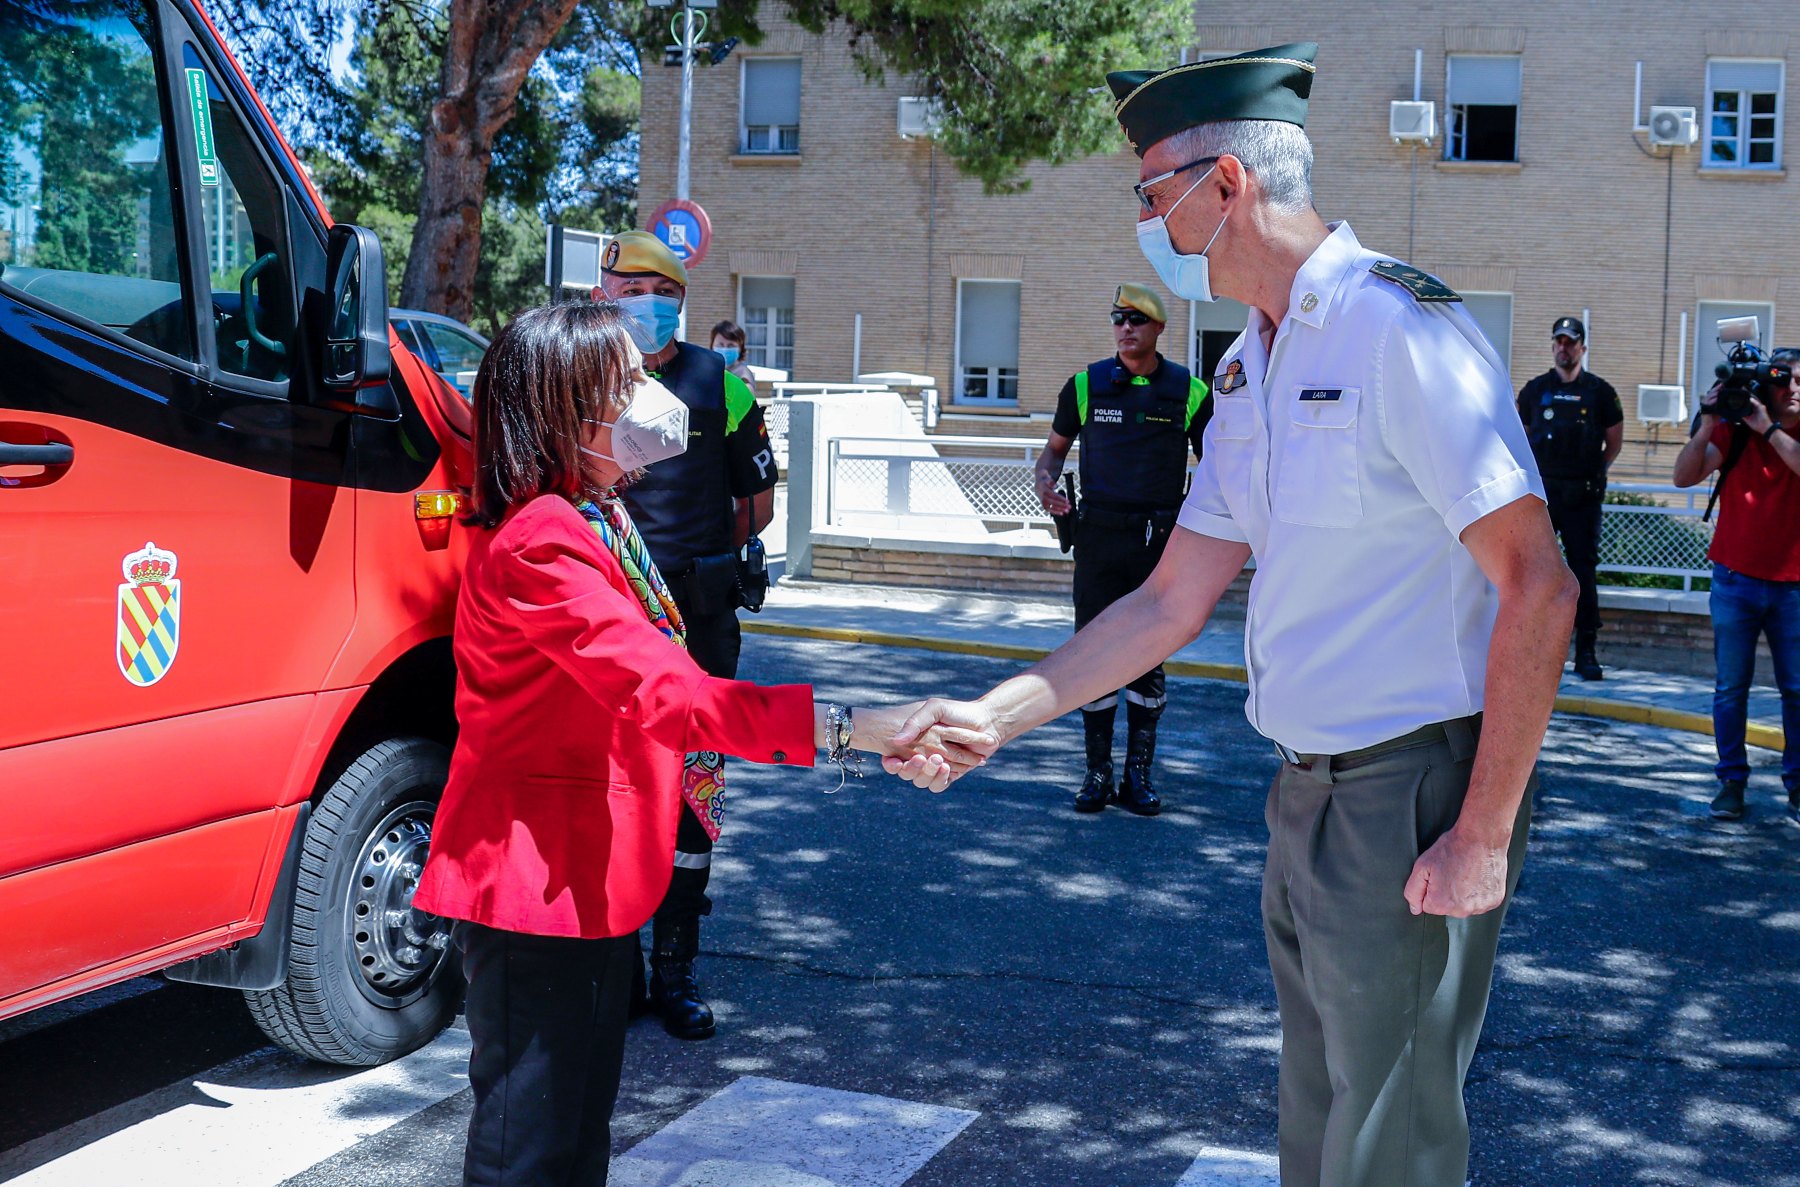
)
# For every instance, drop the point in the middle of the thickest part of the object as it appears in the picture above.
(1748, 433)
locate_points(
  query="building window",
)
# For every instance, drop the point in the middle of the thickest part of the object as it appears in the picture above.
(1743, 115)
(1493, 313)
(1482, 93)
(1707, 351)
(1217, 325)
(766, 311)
(771, 105)
(987, 342)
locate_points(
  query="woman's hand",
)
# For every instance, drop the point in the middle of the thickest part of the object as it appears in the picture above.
(933, 757)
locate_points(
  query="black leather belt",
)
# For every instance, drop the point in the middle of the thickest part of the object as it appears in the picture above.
(1425, 735)
(1125, 520)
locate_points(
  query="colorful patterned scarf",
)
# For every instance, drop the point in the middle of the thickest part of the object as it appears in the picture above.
(703, 776)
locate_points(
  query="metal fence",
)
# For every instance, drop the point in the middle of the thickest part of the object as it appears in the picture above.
(989, 479)
(1664, 536)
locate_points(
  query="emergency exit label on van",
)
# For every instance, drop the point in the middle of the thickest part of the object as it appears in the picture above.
(203, 131)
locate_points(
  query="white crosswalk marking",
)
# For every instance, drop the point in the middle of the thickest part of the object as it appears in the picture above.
(251, 1123)
(1231, 1168)
(770, 1133)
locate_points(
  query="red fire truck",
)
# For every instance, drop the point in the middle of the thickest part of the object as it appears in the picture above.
(229, 548)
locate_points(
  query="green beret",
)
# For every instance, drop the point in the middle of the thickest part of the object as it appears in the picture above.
(1264, 84)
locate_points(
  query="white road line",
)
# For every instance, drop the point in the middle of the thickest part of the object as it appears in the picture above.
(252, 1122)
(1231, 1168)
(770, 1133)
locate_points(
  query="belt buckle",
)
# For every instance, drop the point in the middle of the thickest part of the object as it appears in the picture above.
(1289, 756)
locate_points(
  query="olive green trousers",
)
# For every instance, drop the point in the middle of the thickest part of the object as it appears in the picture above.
(1381, 1009)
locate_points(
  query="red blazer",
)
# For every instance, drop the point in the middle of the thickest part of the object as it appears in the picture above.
(565, 788)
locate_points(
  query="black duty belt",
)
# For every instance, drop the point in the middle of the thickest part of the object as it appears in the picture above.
(1100, 517)
(1465, 728)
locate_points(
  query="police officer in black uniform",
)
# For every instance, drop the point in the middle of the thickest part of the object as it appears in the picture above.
(694, 512)
(1577, 428)
(1136, 414)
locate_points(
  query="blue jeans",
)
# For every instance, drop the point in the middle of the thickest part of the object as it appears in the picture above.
(1743, 608)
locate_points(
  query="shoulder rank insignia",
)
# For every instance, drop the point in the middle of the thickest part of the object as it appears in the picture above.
(1422, 285)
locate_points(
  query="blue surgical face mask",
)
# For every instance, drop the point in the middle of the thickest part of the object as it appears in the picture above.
(652, 319)
(730, 354)
(1188, 276)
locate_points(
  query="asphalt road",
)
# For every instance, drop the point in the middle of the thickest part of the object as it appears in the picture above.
(1094, 987)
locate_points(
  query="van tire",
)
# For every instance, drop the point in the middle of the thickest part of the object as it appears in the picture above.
(361, 987)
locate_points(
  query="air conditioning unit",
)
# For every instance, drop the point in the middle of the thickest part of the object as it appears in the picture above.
(1661, 404)
(1412, 122)
(919, 117)
(1674, 126)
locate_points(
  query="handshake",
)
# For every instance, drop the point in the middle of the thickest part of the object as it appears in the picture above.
(930, 744)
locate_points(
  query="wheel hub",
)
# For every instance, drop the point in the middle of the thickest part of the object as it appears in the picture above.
(396, 949)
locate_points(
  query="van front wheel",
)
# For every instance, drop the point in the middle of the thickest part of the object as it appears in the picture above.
(369, 978)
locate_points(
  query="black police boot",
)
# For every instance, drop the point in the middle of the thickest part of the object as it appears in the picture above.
(1135, 793)
(673, 988)
(1586, 666)
(1097, 789)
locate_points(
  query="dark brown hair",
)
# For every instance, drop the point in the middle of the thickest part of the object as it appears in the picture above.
(550, 373)
(730, 331)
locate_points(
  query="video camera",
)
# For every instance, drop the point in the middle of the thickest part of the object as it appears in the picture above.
(1746, 374)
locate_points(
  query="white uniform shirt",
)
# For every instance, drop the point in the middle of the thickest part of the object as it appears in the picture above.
(1350, 457)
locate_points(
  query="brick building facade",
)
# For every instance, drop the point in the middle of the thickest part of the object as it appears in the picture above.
(821, 210)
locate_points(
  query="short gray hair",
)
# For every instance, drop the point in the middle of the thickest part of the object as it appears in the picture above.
(1276, 152)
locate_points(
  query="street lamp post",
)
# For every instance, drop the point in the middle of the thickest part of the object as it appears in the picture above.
(687, 33)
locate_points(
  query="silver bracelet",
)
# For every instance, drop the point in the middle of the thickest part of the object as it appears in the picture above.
(839, 728)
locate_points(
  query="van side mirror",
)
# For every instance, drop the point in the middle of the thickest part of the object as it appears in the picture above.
(356, 337)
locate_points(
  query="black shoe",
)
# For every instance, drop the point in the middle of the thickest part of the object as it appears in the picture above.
(1729, 803)
(1135, 793)
(674, 990)
(1586, 665)
(1793, 812)
(1096, 790)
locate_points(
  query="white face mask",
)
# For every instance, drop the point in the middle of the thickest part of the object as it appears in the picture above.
(1187, 276)
(653, 428)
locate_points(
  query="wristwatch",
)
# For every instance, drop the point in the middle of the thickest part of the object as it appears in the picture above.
(1769, 433)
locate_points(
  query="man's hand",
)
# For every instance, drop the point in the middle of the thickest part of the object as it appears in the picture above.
(1457, 877)
(1757, 418)
(1049, 497)
(954, 729)
(921, 751)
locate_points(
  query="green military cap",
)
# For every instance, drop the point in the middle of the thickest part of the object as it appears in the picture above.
(639, 253)
(1142, 299)
(1264, 84)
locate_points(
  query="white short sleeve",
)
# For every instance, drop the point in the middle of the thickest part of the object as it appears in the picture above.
(1447, 412)
(1205, 510)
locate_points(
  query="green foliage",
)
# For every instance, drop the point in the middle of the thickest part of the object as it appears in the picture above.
(1019, 80)
(568, 150)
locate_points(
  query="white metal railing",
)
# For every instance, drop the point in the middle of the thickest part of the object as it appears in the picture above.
(990, 479)
(985, 478)
(1666, 538)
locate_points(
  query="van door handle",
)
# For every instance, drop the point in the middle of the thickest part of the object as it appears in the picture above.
(36, 455)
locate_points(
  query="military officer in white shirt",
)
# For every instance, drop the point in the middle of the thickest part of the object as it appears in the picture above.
(1406, 626)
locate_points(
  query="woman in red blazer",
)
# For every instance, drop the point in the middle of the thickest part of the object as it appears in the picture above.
(577, 704)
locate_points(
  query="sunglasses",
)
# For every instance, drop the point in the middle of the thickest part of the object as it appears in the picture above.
(1129, 317)
(1142, 188)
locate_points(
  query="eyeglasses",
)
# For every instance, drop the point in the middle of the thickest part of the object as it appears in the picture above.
(1131, 317)
(1142, 188)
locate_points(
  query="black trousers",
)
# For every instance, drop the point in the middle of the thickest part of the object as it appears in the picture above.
(1575, 510)
(1113, 556)
(547, 1016)
(714, 640)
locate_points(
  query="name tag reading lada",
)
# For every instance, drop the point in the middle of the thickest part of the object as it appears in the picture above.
(1320, 398)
